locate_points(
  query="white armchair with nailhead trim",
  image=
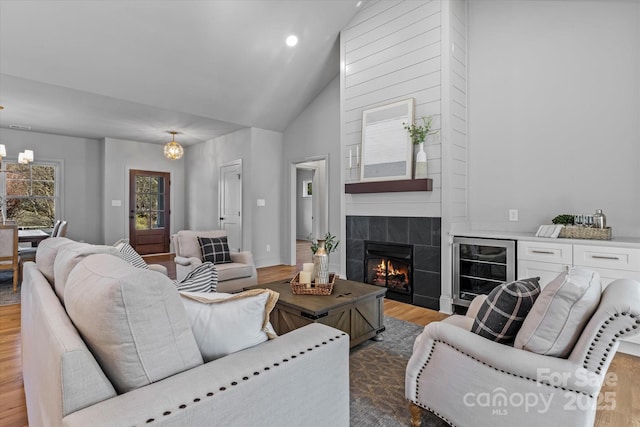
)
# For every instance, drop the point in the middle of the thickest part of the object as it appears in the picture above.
(468, 380)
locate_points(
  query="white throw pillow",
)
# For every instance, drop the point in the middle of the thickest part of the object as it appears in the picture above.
(131, 319)
(227, 323)
(560, 313)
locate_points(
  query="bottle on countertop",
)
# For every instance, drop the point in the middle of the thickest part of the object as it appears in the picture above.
(599, 219)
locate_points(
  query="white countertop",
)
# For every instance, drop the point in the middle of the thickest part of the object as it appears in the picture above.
(628, 242)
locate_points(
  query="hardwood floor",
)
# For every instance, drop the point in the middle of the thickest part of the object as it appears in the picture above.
(12, 403)
(13, 411)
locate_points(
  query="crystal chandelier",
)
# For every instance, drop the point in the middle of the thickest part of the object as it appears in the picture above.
(173, 150)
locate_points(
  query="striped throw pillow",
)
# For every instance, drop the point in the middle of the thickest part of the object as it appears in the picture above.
(503, 312)
(129, 254)
(203, 278)
(215, 249)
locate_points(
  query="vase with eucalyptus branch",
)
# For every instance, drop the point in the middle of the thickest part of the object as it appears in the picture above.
(321, 248)
(418, 134)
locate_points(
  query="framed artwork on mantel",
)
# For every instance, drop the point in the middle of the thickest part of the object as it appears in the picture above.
(386, 145)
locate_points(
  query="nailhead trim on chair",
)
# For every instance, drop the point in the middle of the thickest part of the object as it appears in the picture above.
(418, 389)
(247, 377)
(616, 337)
(494, 368)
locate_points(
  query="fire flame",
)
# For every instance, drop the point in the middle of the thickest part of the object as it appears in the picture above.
(380, 268)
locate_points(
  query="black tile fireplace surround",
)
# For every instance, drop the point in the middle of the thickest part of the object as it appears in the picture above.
(420, 232)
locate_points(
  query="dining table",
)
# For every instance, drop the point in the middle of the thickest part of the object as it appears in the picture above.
(35, 236)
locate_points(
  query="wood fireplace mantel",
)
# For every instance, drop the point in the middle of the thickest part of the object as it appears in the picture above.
(389, 186)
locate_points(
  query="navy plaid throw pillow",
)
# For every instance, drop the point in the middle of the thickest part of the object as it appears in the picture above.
(502, 313)
(215, 249)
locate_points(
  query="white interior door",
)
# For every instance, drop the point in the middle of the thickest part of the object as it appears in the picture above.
(230, 193)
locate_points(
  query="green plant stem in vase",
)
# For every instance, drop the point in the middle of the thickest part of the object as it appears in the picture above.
(330, 243)
(419, 133)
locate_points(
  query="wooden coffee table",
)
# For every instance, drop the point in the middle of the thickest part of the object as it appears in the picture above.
(353, 307)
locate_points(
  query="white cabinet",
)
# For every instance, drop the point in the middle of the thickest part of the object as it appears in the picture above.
(611, 262)
(548, 259)
(542, 259)
(545, 271)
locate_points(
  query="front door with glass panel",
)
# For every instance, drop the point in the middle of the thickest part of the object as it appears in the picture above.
(149, 213)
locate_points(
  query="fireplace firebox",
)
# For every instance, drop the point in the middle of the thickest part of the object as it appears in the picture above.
(390, 265)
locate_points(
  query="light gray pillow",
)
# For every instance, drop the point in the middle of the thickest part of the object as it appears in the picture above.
(132, 320)
(560, 313)
(46, 255)
(68, 257)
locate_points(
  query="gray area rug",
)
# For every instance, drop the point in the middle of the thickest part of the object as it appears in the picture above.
(7, 297)
(376, 373)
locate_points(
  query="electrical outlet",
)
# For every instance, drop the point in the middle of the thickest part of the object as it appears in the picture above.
(268, 248)
(513, 214)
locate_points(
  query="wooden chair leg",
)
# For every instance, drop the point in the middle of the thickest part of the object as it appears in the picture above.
(416, 415)
(15, 279)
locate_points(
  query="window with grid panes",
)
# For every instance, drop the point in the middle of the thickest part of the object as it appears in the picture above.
(29, 193)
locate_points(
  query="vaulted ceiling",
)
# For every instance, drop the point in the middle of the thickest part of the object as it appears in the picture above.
(135, 69)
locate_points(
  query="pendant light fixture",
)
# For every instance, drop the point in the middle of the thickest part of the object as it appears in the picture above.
(24, 157)
(173, 150)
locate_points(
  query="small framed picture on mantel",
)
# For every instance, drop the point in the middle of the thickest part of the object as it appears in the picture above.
(386, 145)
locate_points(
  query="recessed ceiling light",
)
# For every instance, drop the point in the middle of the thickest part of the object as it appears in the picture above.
(20, 127)
(292, 40)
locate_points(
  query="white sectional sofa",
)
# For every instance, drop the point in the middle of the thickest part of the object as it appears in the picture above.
(301, 378)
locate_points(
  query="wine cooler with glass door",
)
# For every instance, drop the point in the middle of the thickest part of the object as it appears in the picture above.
(479, 265)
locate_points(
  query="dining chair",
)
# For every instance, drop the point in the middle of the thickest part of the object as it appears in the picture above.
(9, 259)
(62, 230)
(55, 229)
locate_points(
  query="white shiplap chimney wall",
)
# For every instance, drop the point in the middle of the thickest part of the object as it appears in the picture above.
(390, 52)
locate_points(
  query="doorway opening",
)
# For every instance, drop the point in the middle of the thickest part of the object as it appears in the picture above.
(309, 195)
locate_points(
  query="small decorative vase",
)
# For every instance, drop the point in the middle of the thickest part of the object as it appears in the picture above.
(421, 163)
(321, 264)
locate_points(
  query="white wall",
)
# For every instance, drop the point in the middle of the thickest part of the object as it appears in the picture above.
(554, 112)
(266, 183)
(391, 52)
(120, 156)
(260, 151)
(315, 133)
(203, 175)
(82, 184)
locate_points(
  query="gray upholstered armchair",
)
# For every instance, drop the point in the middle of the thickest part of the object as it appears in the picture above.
(469, 380)
(232, 277)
